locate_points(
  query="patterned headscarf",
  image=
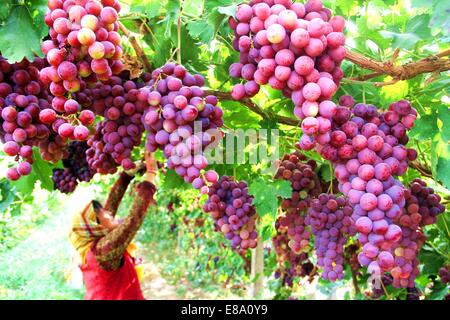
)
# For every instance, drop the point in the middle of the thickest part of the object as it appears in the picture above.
(85, 230)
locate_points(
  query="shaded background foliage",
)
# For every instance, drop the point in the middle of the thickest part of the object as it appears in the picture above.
(402, 30)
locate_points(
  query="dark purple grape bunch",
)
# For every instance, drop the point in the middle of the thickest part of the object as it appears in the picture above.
(230, 205)
(76, 168)
(112, 144)
(22, 97)
(299, 171)
(182, 121)
(412, 294)
(330, 219)
(290, 263)
(421, 209)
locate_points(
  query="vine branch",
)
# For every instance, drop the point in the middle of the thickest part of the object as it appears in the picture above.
(137, 48)
(254, 107)
(431, 64)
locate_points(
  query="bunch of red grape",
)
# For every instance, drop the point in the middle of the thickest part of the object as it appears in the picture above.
(293, 47)
(76, 168)
(54, 148)
(367, 149)
(231, 207)
(84, 45)
(122, 103)
(444, 273)
(22, 97)
(182, 122)
(421, 208)
(305, 185)
(330, 219)
(351, 256)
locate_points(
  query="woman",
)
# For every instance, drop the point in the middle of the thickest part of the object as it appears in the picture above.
(104, 244)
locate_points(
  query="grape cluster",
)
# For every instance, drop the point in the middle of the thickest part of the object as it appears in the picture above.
(76, 168)
(330, 219)
(444, 273)
(305, 185)
(182, 122)
(293, 47)
(53, 149)
(122, 103)
(22, 97)
(368, 150)
(290, 263)
(231, 207)
(84, 44)
(421, 208)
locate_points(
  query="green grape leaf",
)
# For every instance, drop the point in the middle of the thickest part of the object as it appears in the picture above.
(42, 171)
(7, 194)
(266, 195)
(228, 11)
(20, 35)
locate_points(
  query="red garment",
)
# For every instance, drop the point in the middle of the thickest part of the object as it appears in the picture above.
(121, 284)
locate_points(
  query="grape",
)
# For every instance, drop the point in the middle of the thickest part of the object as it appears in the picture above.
(231, 207)
(305, 186)
(122, 129)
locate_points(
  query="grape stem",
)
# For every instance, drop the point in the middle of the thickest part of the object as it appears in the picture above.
(137, 48)
(179, 32)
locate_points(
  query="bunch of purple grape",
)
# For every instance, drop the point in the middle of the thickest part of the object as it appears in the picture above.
(331, 223)
(84, 45)
(421, 209)
(76, 168)
(293, 47)
(53, 149)
(111, 146)
(231, 207)
(182, 122)
(22, 97)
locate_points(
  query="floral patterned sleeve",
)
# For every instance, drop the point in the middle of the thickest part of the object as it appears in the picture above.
(117, 192)
(110, 249)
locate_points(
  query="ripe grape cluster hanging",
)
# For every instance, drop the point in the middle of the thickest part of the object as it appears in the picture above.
(79, 106)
